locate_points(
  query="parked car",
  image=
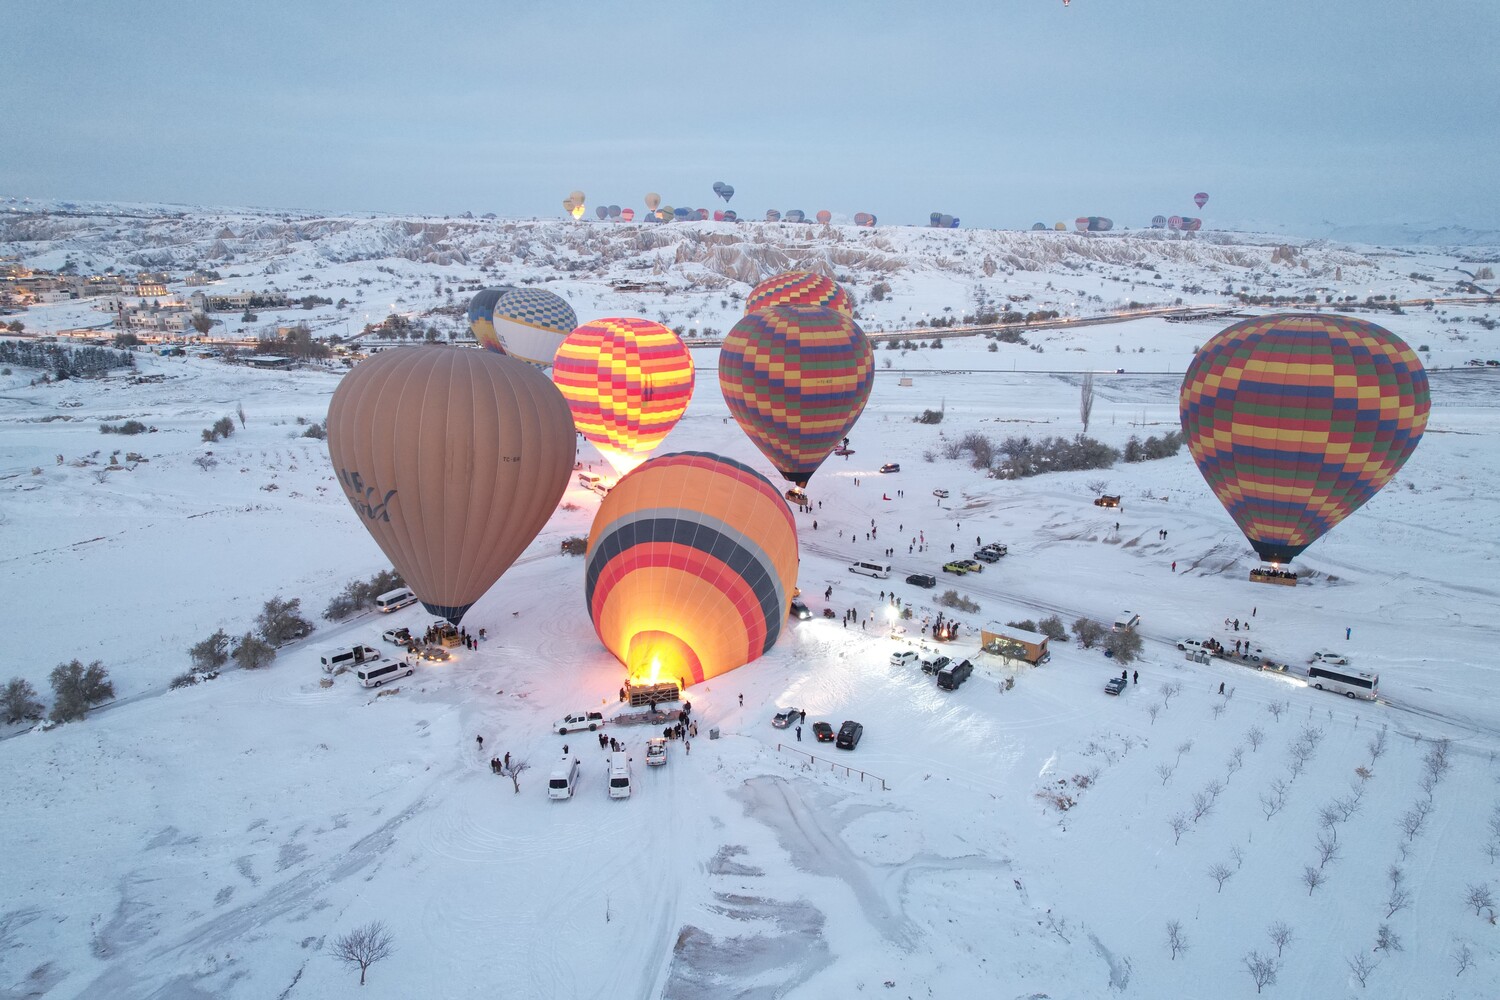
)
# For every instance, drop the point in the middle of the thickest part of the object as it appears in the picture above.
(1114, 685)
(823, 732)
(940, 494)
(935, 664)
(957, 567)
(954, 674)
(1330, 657)
(1126, 620)
(579, 720)
(973, 565)
(800, 611)
(922, 580)
(400, 636)
(1191, 646)
(656, 751)
(891, 467)
(786, 717)
(1107, 501)
(849, 735)
(903, 658)
(437, 653)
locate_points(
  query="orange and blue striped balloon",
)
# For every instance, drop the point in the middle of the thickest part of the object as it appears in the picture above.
(1297, 420)
(796, 379)
(799, 288)
(628, 382)
(691, 565)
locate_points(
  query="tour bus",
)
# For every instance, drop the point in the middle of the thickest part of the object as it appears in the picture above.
(1349, 683)
(394, 599)
(880, 571)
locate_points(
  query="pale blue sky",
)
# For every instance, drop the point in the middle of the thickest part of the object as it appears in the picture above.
(1003, 112)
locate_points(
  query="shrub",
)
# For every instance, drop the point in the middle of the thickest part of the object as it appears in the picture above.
(960, 602)
(1124, 645)
(359, 594)
(76, 689)
(930, 417)
(128, 427)
(1053, 628)
(575, 546)
(205, 462)
(18, 702)
(1026, 624)
(281, 621)
(252, 653)
(211, 653)
(183, 680)
(1088, 632)
(315, 431)
(1153, 447)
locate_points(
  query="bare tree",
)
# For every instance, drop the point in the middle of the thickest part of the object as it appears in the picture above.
(364, 946)
(1176, 940)
(1086, 400)
(1349, 804)
(1479, 897)
(1153, 710)
(1220, 873)
(1280, 934)
(1255, 737)
(1399, 897)
(239, 410)
(1238, 854)
(1166, 693)
(514, 770)
(1271, 802)
(1262, 969)
(1276, 708)
(1411, 823)
(1328, 819)
(1377, 746)
(1328, 849)
(1179, 824)
(1186, 746)
(1235, 762)
(1463, 957)
(1164, 772)
(1360, 967)
(1387, 939)
(1217, 709)
(1203, 804)
(1492, 850)
(1312, 736)
(1312, 878)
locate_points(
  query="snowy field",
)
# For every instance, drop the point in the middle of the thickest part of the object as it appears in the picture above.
(212, 841)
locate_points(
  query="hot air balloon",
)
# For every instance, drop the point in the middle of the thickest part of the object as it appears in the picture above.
(1038, 225)
(691, 566)
(718, 216)
(1060, 227)
(772, 215)
(1097, 224)
(730, 215)
(1297, 420)
(627, 382)
(1200, 199)
(614, 211)
(628, 214)
(723, 190)
(482, 315)
(1174, 222)
(799, 288)
(864, 219)
(578, 211)
(796, 379)
(935, 218)
(952, 222)
(530, 324)
(795, 215)
(453, 461)
(681, 214)
(601, 211)
(577, 196)
(663, 214)
(702, 215)
(568, 205)
(1081, 223)
(1191, 225)
(825, 216)
(653, 201)
(1158, 222)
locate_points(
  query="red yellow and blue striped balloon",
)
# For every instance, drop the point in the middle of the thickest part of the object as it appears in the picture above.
(1297, 420)
(691, 566)
(799, 288)
(628, 382)
(796, 379)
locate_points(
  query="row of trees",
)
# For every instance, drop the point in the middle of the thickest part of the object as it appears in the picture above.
(1022, 457)
(360, 594)
(64, 361)
(280, 621)
(75, 689)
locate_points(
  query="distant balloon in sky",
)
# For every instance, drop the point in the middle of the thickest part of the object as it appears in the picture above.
(772, 215)
(1158, 222)
(628, 214)
(1297, 420)
(453, 461)
(799, 288)
(530, 324)
(1174, 222)
(796, 379)
(723, 190)
(653, 201)
(692, 561)
(627, 382)
(1200, 199)
(601, 211)
(824, 216)
(1060, 227)
(614, 211)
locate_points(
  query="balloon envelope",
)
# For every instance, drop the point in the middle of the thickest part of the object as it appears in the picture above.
(1060, 227)
(530, 324)
(691, 565)
(482, 315)
(627, 382)
(796, 379)
(578, 198)
(864, 219)
(614, 211)
(824, 216)
(1297, 420)
(653, 200)
(799, 288)
(1158, 221)
(628, 214)
(1200, 199)
(730, 215)
(453, 461)
(795, 215)
(772, 215)
(1174, 222)
(601, 211)
(1038, 225)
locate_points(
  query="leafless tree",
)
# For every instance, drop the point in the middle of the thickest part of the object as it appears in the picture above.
(1276, 708)
(1387, 939)
(1411, 823)
(1436, 761)
(1164, 772)
(1262, 969)
(1360, 966)
(1399, 897)
(1179, 825)
(1479, 897)
(1271, 802)
(1428, 782)
(1312, 878)
(1255, 737)
(1280, 934)
(239, 410)
(1214, 788)
(364, 946)
(1328, 819)
(1328, 850)
(514, 770)
(1153, 710)
(1086, 400)
(1166, 691)
(1186, 746)
(1238, 854)
(1220, 873)
(1297, 766)
(1349, 804)
(1377, 746)
(1236, 761)
(1217, 709)
(1492, 850)
(1463, 957)
(1312, 736)
(1176, 940)
(1203, 804)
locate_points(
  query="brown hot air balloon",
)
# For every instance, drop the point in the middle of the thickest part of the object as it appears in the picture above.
(453, 461)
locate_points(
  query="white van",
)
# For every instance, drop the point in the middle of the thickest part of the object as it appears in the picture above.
(619, 775)
(344, 657)
(372, 675)
(588, 480)
(564, 779)
(393, 599)
(880, 571)
(1126, 620)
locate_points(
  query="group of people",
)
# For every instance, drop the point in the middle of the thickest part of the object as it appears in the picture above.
(500, 765)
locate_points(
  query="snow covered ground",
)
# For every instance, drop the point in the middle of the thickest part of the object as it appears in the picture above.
(212, 841)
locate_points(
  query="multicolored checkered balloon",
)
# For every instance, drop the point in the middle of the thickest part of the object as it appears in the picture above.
(1297, 420)
(799, 288)
(796, 378)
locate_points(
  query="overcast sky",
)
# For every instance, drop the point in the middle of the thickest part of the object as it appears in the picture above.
(1001, 112)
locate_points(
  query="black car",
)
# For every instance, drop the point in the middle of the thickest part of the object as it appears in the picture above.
(849, 734)
(800, 611)
(922, 580)
(950, 677)
(891, 467)
(823, 731)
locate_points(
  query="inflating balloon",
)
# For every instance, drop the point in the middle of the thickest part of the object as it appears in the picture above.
(627, 382)
(799, 288)
(796, 379)
(691, 565)
(1296, 421)
(530, 324)
(578, 210)
(453, 461)
(1060, 227)
(482, 315)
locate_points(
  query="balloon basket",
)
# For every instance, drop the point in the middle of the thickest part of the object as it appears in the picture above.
(798, 497)
(1272, 575)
